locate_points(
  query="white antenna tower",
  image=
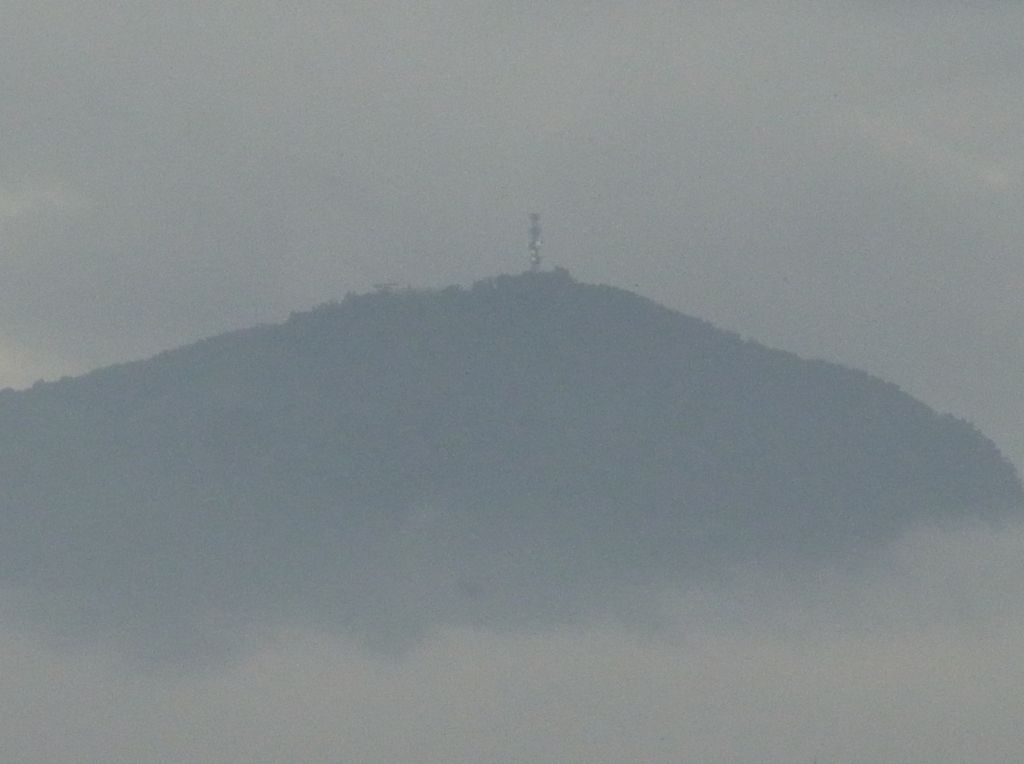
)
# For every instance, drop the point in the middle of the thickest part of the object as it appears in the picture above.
(535, 241)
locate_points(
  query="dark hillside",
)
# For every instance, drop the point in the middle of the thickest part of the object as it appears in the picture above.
(517, 450)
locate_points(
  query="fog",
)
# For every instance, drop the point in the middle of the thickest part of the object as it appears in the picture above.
(913, 659)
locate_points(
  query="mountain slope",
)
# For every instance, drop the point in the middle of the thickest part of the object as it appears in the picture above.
(517, 451)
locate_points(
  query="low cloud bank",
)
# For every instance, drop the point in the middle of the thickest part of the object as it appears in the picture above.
(912, 657)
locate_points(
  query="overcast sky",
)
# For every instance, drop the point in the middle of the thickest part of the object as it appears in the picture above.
(839, 179)
(843, 180)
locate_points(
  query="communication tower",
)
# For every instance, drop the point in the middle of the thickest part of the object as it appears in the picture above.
(535, 241)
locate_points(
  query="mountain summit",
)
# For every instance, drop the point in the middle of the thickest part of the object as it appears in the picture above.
(515, 451)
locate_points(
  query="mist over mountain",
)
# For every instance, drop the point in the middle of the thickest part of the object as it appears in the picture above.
(530, 450)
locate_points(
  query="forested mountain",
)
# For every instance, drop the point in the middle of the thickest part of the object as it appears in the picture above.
(514, 452)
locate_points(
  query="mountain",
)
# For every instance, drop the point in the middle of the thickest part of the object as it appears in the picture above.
(523, 451)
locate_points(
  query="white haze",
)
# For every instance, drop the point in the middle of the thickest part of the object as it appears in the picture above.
(913, 659)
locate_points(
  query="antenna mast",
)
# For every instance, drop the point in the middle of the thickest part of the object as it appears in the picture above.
(535, 241)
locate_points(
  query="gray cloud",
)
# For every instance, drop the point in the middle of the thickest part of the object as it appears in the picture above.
(914, 659)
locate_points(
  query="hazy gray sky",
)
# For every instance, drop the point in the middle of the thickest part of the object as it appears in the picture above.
(839, 179)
